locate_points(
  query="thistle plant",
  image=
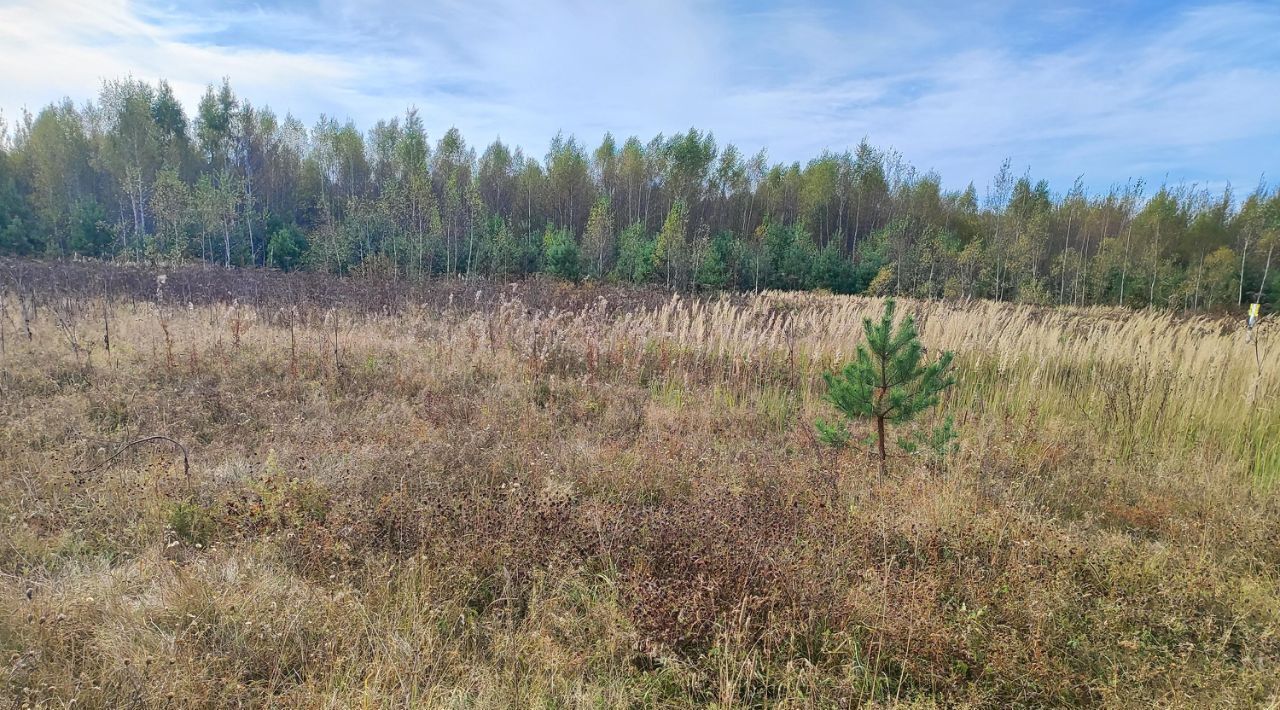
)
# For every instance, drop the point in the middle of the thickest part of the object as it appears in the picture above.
(889, 381)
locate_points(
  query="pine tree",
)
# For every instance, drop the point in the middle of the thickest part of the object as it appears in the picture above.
(713, 269)
(889, 381)
(635, 255)
(560, 254)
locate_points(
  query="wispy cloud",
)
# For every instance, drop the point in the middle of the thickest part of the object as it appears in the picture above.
(1138, 89)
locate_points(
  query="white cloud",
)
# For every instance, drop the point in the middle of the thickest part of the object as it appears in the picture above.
(62, 48)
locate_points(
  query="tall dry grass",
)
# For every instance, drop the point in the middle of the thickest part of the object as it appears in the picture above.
(541, 496)
(1160, 382)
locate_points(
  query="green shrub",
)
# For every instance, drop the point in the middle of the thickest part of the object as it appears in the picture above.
(192, 523)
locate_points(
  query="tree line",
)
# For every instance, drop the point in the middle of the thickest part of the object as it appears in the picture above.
(129, 175)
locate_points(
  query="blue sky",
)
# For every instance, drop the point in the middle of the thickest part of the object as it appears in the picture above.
(1164, 91)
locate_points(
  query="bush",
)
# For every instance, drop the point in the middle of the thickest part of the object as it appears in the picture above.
(286, 248)
(192, 523)
(635, 255)
(560, 255)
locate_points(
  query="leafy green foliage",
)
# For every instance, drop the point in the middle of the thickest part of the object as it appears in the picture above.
(286, 248)
(669, 250)
(560, 254)
(635, 255)
(714, 271)
(935, 444)
(837, 435)
(508, 255)
(832, 272)
(131, 175)
(192, 523)
(889, 381)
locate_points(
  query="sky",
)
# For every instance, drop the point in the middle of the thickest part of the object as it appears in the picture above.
(1164, 91)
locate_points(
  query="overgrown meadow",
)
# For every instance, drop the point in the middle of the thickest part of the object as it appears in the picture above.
(464, 493)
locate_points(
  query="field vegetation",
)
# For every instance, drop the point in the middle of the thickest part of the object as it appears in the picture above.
(471, 493)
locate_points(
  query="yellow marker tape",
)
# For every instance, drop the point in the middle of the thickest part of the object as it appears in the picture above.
(1253, 311)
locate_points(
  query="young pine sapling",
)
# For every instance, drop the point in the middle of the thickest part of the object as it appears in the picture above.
(889, 381)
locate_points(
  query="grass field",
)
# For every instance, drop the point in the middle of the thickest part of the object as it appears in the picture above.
(471, 494)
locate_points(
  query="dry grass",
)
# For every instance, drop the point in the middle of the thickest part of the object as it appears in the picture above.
(544, 497)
